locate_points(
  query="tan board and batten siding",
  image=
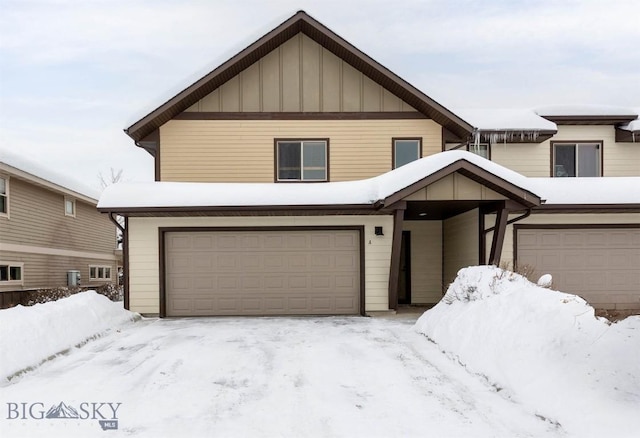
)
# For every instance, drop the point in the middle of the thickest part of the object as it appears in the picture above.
(144, 252)
(262, 272)
(300, 76)
(619, 159)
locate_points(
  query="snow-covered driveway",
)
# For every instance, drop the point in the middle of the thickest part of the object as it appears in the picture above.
(268, 377)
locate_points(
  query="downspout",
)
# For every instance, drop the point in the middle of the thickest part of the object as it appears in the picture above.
(125, 256)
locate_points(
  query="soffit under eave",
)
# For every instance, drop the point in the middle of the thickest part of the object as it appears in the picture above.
(300, 22)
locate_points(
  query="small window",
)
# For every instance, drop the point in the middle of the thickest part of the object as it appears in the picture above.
(69, 207)
(4, 197)
(304, 160)
(481, 149)
(576, 159)
(11, 273)
(406, 150)
(99, 273)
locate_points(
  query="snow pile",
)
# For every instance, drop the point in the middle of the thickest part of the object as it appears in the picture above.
(584, 110)
(541, 348)
(32, 334)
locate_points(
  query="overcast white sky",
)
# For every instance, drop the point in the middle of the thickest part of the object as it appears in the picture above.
(74, 73)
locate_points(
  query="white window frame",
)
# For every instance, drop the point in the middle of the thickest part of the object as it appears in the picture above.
(72, 201)
(10, 265)
(577, 145)
(97, 268)
(302, 142)
(6, 196)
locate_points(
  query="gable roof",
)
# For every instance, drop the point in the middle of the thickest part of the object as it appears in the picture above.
(299, 22)
(372, 193)
(40, 175)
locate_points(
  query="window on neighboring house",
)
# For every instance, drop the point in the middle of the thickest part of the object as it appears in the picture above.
(576, 159)
(98, 273)
(69, 206)
(481, 149)
(301, 160)
(4, 196)
(406, 150)
(11, 273)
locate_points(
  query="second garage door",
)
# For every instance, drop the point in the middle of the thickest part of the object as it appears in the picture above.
(275, 272)
(602, 265)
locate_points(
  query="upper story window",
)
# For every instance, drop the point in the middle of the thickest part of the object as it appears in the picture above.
(577, 159)
(69, 206)
(302, 160)
(11, 273)
(4, 196)
(481, 149)
(406, 150)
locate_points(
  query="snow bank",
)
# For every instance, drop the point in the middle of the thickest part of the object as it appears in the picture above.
(542, 348)
(32, 334)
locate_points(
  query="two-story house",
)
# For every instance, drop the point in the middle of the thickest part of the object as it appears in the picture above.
(49, 226)
(303, 177)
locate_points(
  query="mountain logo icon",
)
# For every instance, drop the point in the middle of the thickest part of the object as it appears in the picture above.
(62, 411)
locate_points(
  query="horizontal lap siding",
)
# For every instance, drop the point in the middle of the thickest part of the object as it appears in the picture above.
(243, 151)
(144, 273)
(533, 159)
(48, 271)
(37, 219)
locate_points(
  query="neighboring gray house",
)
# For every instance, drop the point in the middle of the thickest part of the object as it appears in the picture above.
(49, 226)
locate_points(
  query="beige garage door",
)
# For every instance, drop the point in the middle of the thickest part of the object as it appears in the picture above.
(262, 272)
(602, 265)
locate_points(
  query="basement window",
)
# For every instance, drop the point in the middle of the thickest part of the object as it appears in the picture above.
(99, 273)
(11, 273)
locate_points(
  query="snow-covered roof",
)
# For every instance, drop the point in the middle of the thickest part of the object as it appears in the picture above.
(504, 119)
(363, 192)
(633, 125)
(43, 175)
(584, 110)
(597, 190)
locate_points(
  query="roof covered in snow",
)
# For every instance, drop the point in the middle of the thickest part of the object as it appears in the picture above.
(634, 125)
(584, 110)
(506, 119)
(43, 175)
(363, 192)
(587, 191)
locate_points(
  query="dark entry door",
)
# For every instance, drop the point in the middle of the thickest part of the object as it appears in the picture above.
(404, 279)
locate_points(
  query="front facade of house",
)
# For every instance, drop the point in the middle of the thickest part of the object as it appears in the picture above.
(290, 203)
(48, 229)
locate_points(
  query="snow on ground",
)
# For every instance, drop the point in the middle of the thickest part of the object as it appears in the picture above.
(545, 349)
(502, 358)
(32, 334)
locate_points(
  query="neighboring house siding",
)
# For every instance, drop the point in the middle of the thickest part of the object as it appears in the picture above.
(243, 150)
(37, 219)
(426, 261)
(144, 252)
(619, 159)
(44, 271)
(300, 76)
(460, 243)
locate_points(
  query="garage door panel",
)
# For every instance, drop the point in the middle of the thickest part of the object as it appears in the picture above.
(262, 272)
(599, 264)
